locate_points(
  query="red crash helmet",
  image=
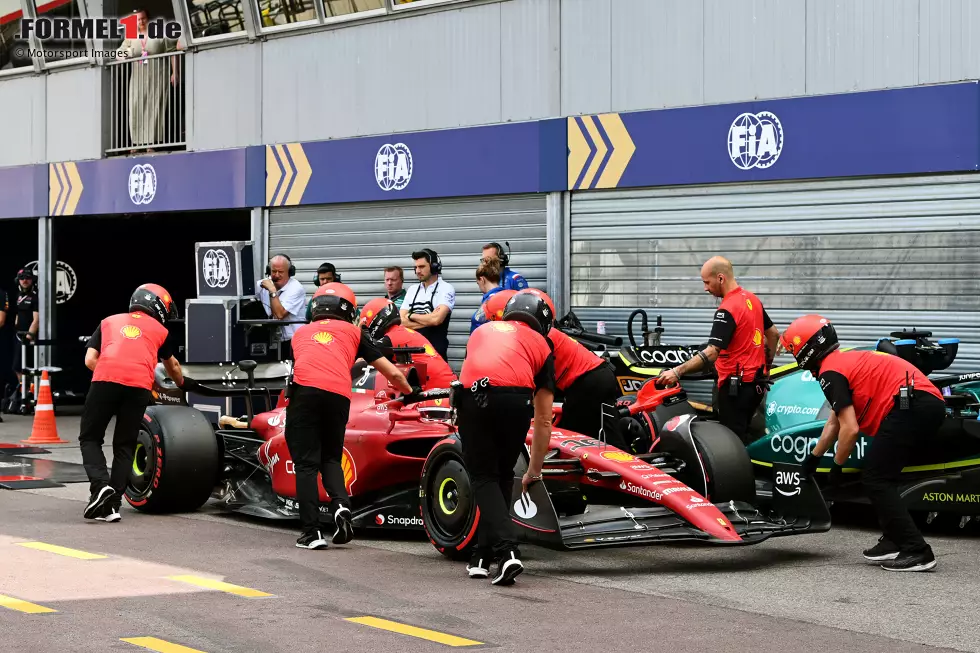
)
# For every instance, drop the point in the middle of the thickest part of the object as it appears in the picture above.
(493, 308)
(378, 316)
(810, 338)
(154, 300)
(334, 300)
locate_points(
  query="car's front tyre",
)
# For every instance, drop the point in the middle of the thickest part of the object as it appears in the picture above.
(448, 505)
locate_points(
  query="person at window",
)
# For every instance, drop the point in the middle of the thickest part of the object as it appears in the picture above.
(429, 304)
(148, 83)
(394, 285)
(283, 298)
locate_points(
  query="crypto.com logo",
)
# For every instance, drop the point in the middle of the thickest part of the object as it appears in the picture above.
(77, 29)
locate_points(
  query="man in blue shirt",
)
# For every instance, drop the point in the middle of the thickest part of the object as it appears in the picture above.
(509, 280)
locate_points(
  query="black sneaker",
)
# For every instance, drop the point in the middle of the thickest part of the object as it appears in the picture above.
(508, 568)
(98, 501)
(312, 540)
(479, 566)
(883, 550)
(917, 561)
(110, 513)
(345, 531)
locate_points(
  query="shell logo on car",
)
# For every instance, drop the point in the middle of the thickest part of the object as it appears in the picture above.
(350, 470)
(430, 350)
(131, 332)
(618, 456)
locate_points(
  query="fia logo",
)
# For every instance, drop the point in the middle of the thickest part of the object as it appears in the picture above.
(393, 166)
(142, 184)
(216, 268)
(66, 282)
(755, 140)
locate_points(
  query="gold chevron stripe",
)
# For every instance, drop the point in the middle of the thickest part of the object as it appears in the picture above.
(622, 150)
(272, 175)
(71, 202)
(288, 174)
(578, 152)
(54, 188)
(303, 173)
(600, 151)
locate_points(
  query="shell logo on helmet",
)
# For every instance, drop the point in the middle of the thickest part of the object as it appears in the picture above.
(130, 331)
(322, 337)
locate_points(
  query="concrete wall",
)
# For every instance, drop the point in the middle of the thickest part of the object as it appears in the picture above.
(518, 60)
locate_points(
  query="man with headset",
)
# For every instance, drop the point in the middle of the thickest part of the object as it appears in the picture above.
(429, 304)
(326, 273)
(283, 298)
(509, 280)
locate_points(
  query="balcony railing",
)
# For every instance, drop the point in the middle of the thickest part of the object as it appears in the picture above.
(146, 104)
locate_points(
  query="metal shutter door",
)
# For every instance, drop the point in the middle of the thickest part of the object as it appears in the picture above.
(362, 239)
(873, 255)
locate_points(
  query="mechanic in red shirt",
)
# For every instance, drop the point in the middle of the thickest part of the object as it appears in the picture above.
(319, 404)
(885, 398)
(122, 354)
(586, 381)
(508, 378)
(382, 320)
(742, 345)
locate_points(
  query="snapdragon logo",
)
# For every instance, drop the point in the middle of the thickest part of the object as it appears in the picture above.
(382, 520)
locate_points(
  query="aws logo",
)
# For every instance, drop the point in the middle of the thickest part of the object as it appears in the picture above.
(130, 331)
(322, 337)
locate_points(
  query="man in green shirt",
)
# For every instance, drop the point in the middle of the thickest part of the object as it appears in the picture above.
(394, 280)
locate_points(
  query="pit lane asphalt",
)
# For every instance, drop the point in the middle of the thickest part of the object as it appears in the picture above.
(784, 594)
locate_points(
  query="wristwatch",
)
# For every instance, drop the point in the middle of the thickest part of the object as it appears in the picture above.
(274, 293)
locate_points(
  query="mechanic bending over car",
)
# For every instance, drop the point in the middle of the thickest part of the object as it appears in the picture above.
(885, 398)
(122, 354)
(742, 345)
(508, 378)
(382, 320)
(319, 404)
(586, 381)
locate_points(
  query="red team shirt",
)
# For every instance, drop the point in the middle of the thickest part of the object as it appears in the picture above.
(572, 360)
(129, 345)
(869, 381)
(438, 370)
(509, 354)
(325, 351)
(738, 331)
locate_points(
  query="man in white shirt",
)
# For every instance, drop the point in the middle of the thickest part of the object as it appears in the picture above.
(283, 298)
(428, 305)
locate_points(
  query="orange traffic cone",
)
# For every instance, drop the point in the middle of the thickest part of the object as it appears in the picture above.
(45, 431)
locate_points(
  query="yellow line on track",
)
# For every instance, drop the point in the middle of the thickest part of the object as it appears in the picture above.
(23, 606)
(208, 583)
(63, 551)
(414, 631)
(162, 646)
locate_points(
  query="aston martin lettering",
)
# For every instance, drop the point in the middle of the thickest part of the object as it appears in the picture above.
(948, 497)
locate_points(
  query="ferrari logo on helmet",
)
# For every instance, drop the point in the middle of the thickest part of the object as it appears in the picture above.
(322, 337)
(131, 332)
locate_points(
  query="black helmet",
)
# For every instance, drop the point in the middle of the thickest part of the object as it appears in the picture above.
(334, 300)
(530, 309)
(155, 301)
(378, 316)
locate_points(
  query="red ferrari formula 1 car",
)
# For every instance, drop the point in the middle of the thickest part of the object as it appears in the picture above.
(404, 469)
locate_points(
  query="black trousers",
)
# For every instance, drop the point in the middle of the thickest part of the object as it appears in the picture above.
(736, 412)
(492, 438)
(315, 425)
(582, 409)
(901, 433)
(104, 401)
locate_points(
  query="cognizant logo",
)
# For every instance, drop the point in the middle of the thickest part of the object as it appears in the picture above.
(799, 446)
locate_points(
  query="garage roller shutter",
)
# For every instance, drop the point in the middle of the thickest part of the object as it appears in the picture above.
(874, 256)
(361, 239)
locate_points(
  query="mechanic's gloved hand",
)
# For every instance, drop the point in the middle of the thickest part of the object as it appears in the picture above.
(834, 480)
(415, 396)
(188, 384)
(810, 466)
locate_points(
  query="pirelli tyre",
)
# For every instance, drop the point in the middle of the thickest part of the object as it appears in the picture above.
(447, 503)
(727, 465)
(175, 466)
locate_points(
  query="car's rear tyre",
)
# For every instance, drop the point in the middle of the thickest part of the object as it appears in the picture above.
(448, 505)
(726, 463)
(176, 461)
